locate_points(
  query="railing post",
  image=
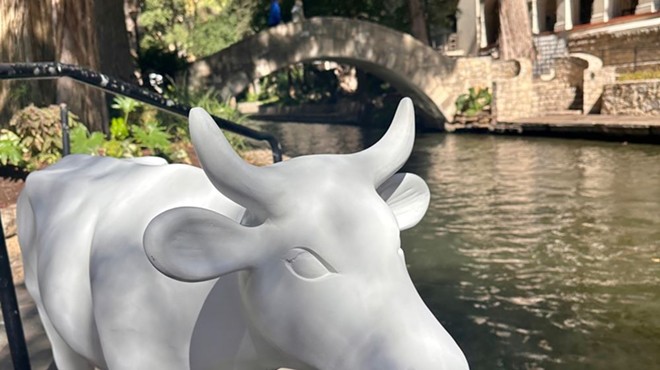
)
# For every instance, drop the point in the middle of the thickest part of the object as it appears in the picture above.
(64, 117)
(10, 313)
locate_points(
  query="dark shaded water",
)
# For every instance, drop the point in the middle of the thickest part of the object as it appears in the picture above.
(535, 253)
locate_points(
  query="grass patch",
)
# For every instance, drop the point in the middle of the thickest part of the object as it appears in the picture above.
(649, 74)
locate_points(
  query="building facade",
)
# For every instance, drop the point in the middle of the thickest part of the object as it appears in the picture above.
(582, 48)
(623, 33)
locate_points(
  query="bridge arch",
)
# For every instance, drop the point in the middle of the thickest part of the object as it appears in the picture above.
(413, 68)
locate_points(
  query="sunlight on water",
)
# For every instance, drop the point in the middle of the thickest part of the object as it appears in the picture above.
(541, 253)
(534, 253)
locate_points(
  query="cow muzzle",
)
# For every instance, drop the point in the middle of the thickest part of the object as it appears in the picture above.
(411, 342)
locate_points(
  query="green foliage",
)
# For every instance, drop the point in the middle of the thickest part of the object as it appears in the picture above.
(390, 13)
(649, 74)
(125, 105)
(113, 148)
(474, 102)
(10, 149)
(36, 138)
(82, 142)
(152, 137)
(119, 128)
(176, 31)
(216, 33)
(251, 97)
(298, 84)
(145, 137)
(119, 125)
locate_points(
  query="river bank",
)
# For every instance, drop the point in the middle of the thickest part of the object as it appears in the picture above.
(639, 129)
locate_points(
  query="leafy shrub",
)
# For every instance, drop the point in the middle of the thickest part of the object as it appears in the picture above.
(146, 137)
(36, 138)
(40, 136)
(150, 136)
(119, 128)
(82, 142)
(10, 148)
(474, 102)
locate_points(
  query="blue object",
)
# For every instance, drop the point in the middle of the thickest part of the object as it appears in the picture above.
(274, 14)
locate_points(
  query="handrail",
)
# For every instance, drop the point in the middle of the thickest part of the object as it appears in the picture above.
(53, 70)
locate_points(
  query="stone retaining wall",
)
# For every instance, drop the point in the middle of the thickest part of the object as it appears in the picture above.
(561, 91)
(512, 97)
(593, 87)
(505, 69)
(637, 98)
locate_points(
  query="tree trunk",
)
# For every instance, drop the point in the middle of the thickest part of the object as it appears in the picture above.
(418, 21)
(88, 33)
(25, 36)
(131, 13)
(76, 43)
(112, 39)
(515, 30)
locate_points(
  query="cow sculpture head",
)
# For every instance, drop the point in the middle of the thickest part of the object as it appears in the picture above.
(324, 279)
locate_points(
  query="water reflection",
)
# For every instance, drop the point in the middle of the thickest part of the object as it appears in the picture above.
(550, 247)
(302, 139)
(535, 253)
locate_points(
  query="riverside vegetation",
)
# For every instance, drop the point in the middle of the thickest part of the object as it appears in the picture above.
(34, 137)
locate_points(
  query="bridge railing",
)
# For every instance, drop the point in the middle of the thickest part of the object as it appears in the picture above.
(50, 70)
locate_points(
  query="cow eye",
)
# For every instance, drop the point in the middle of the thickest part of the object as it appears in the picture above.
(306, 264)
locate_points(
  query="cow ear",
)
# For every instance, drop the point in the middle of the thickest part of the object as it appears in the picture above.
(196, 244)
(408, 197)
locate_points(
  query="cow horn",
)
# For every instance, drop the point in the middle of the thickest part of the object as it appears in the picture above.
(391, 152)
(240, 181)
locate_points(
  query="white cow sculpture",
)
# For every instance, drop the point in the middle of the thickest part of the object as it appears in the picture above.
(293, 265)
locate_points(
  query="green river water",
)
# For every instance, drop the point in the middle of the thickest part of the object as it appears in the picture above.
(535, 253)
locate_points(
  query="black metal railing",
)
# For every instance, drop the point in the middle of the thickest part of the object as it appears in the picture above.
(31, 71)
(51, 70)
(10, 312)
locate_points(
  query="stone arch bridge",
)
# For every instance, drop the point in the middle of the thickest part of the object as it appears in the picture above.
(414, 69)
